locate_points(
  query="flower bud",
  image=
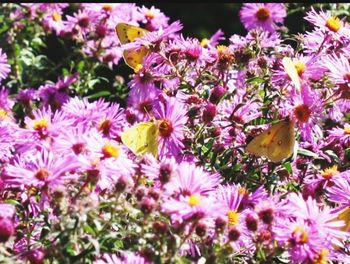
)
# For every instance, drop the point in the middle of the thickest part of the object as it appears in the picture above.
(251, 222)
(201, 229)
(120, 186)
(36, 256)
(216, 94)
(220, 224)
(6, 229)
(233, 234)
(266, 216)
(160, 227)
(147, 205)
(209, 112)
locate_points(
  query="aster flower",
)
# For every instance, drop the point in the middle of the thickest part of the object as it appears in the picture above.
(264, 15)
(44, 168)
(153, 18)
(111, 124)
(83, 111)
(171, 118)
(306, 111)
(7, 210)
(339, 134)
(339, 192)
(327, 23)
(162, 171)
(4, 66)
(142, 99)
(190, 179)
(46, 124)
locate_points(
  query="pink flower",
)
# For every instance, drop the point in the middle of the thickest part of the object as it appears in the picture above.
(264, 15)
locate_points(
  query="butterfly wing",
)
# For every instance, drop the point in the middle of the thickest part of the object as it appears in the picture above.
(128, 33)
(345, 216)
(282, 144)
(135, 57)
(276, 143)
(142, 138)
(290, 69)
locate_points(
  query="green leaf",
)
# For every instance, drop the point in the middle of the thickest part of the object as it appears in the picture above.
(99, 94)
(288, 167)
(307, 153)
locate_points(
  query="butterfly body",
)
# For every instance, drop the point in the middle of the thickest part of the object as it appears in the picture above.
(290, 69)
(276, 143)
(142, 138)
(126, 34)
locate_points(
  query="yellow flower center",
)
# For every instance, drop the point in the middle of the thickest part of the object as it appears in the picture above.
(40, 124)
(138, 67)
(242, 191)
(300, 67)
(346, 128)
(329, 172)
(204, 42)
(193, 200)
(56, 16)
(322, 257)
(233, 217)
(110, 150)
(221, 48)
(302, 234)
(149, 15)
(333, 24)
(263, 14)
(3, 114)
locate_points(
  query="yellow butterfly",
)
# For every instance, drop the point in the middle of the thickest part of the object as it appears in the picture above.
(142, 138)
(276, 143)
(126, 34)
(290, 69)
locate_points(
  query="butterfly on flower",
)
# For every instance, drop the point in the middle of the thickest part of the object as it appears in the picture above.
(142, 138)
(276, 143)
(126, 34)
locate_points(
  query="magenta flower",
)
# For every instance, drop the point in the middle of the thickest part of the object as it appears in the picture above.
(126, 258)
(4, 66)
(153, 18)
(263, 15)
(112, 122)
(44, 168)
(171, 118)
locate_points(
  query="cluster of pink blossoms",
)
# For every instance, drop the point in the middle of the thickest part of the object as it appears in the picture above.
(203, 193)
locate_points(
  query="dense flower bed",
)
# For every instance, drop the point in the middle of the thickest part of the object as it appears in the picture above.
(77, 185)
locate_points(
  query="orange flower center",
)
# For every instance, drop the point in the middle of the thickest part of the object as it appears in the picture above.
(107, 7)
(300, 67)
(322, 257)
(56, 16)
(41, 124)
(347, 129)
(105, 126)
(329, 172)
(302, 113)
(263, 14)
(110, 150)
(302, 234)
(165, 128)
(42, 174)
(149, 15)
(333, 24)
